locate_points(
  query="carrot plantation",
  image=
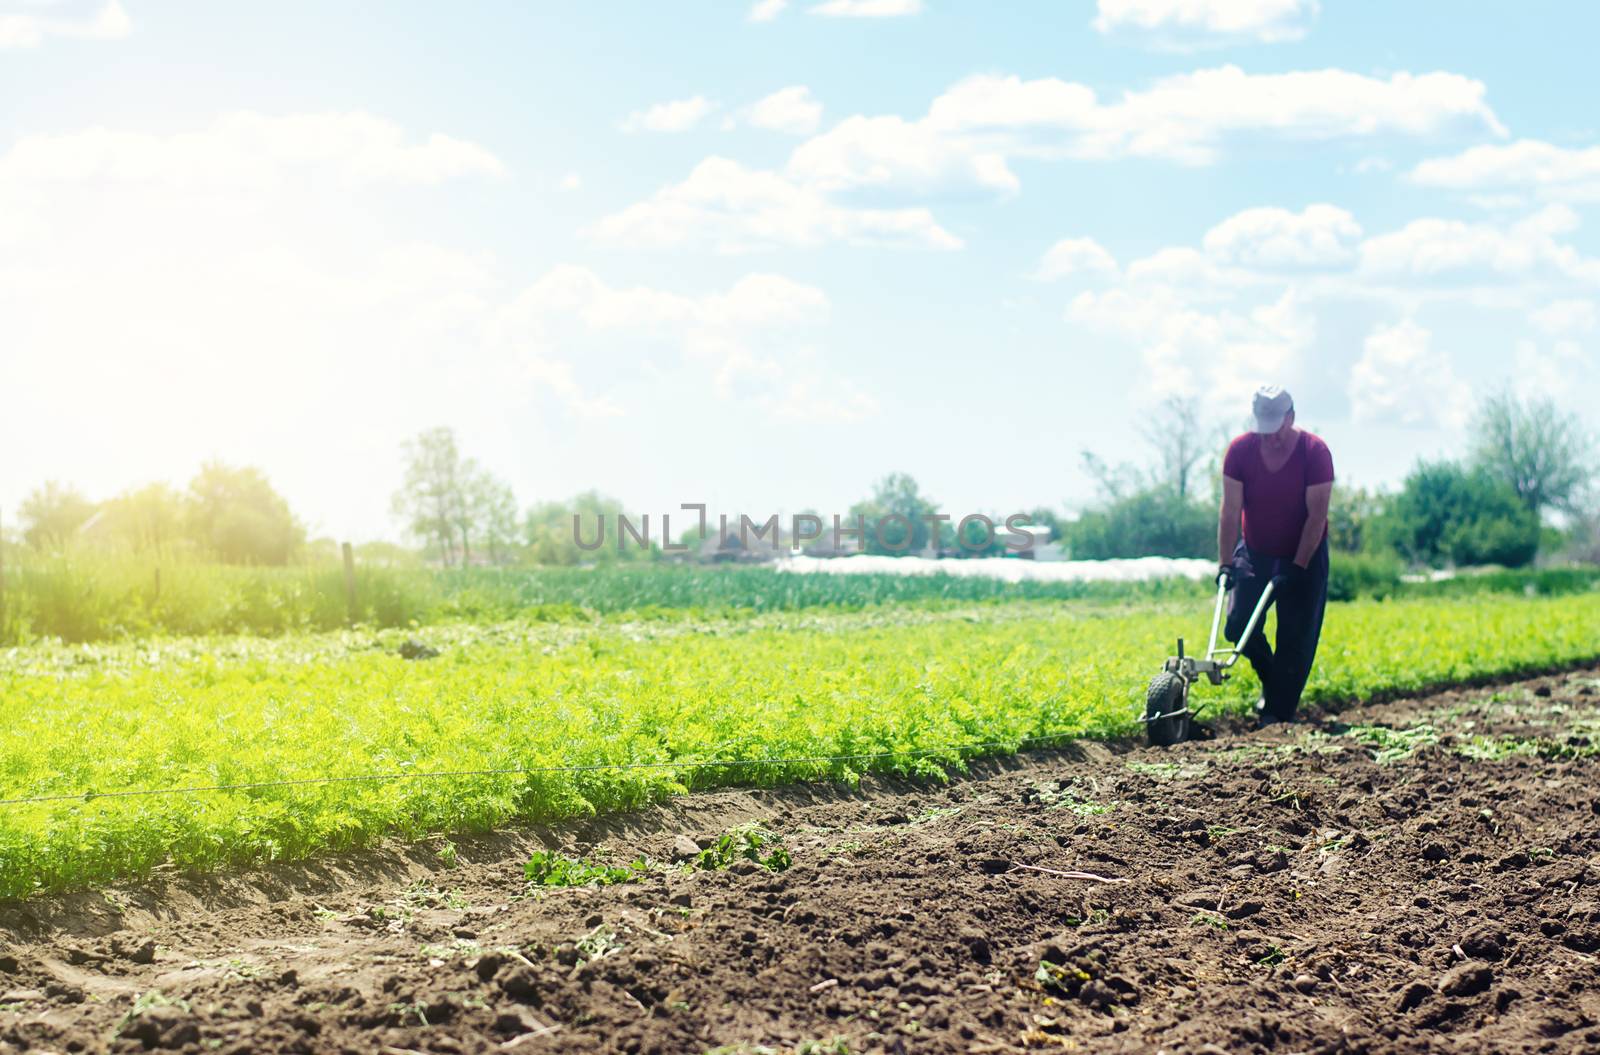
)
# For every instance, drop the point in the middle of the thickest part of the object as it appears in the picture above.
(692, 701)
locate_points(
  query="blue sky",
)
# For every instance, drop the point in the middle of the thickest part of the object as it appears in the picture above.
(683, 253)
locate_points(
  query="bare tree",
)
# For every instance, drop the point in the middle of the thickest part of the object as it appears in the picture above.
(1543, 452)
(1180, 436)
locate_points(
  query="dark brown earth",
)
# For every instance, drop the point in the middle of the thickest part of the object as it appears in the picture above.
(1316, 889)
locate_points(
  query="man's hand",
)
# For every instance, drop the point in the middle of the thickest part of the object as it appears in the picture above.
(1293, 573)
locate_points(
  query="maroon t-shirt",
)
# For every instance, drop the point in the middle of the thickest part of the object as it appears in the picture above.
(1275, 503)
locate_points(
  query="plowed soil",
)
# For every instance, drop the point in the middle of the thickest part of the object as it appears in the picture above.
(1419, 876)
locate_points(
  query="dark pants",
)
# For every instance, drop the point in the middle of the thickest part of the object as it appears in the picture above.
(1300, 602)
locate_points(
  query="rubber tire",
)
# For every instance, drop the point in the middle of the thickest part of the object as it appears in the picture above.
(1164, 696)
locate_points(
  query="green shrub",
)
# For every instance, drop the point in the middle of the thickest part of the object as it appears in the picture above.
(1446, 514)
(1352, 575)
(1155, 522)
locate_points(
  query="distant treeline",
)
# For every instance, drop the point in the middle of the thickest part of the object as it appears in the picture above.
(1526, 486)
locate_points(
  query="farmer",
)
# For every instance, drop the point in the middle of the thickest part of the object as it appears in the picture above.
(1280, 478)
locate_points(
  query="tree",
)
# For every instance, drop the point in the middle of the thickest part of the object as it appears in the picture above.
(237, 515)
(52, 514)
(1180, 439)
(550, 532)
(896, 496)
(1352, 519)
(1153, 522)
(1152, 511)
(493, 508)
(1447, 513)
(434, 498)
(1540, 451)
(1047, 518)
(154, 517)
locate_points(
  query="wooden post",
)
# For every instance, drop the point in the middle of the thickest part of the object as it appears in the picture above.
(349, 581)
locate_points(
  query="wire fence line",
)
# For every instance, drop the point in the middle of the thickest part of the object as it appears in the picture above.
(593, 767)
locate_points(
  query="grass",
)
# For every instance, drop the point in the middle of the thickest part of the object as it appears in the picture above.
(927, 688)
(89, 594)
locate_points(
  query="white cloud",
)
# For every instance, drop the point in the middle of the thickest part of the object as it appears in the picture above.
(766, 10)
(1540, 374)
(1401, 379)
(1565, 316)
(742, 339)
(973, 130)
(978, 124)
(246, 152)
(1227, 352)
(679, 115)
(570, 182)
(1320, 236)
(1526, 165)
(791, 110)
(867, 8)
(165, 298)
(1184, 25)
(1197, 274)
(820, 398)
(1438, 248)
(41, 19)
(1187, 117)
(1270, 294)
(730, 208)
(1200, 317)
(1075, 256)
(890, 151)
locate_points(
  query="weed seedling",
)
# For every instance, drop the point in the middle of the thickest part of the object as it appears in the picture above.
(549, 869)
(598, 943)
(1393, 745)
(750, 842)
(1170, 770)
(144, 1004)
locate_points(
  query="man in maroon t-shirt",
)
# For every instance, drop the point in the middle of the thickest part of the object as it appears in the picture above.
(1279, 479)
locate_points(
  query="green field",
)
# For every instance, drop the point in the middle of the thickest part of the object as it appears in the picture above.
(927, 684)
(89, 595)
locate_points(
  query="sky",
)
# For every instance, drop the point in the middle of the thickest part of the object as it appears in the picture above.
(761, 253)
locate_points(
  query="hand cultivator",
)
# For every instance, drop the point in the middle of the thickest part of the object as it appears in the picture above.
(1168, 714)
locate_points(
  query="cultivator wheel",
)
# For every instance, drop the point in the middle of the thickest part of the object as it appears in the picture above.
(1166, 710)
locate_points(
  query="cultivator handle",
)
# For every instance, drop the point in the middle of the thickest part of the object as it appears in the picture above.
(1225, 581)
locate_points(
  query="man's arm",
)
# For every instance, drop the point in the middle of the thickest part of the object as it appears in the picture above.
(1228, 520)
(1317, 497)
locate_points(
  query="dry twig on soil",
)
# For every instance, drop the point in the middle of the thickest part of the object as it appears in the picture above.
(1089, 876)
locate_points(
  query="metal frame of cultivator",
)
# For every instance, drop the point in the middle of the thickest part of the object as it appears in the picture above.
(1167, 712)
